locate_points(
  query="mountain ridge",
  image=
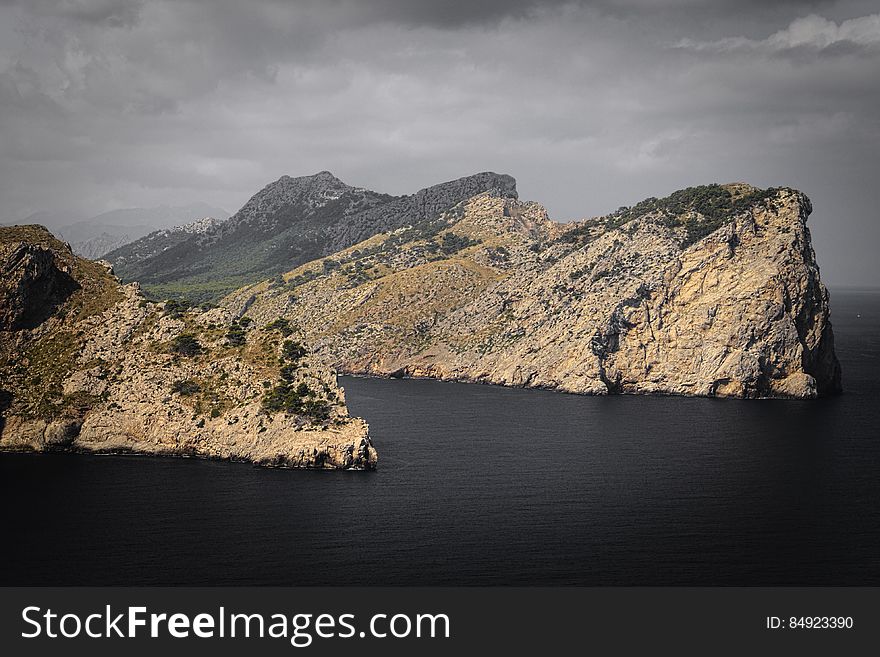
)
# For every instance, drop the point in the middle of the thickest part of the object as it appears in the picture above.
(289, 221)
(711, 291)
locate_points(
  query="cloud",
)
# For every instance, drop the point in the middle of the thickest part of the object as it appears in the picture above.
(810, 32)
(109, 103)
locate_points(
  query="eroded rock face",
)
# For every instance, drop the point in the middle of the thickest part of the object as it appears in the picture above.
(108, 371)
(742, 313)
(31, 286)
(713, 291)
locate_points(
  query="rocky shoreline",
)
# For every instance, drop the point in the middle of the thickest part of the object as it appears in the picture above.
(89, 364)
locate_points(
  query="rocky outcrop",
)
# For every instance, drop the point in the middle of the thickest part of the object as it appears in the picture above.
(713, 291)
(89, 364)
(31, 286)
(422, 206)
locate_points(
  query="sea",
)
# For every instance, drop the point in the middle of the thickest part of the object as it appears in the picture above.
(484, 485)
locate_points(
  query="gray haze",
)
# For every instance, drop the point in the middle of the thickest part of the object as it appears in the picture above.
(124, 103)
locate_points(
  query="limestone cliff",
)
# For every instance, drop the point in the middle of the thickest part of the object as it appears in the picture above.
(713, 291)
(88, 364)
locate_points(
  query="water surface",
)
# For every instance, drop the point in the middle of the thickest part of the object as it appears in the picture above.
(488, 485)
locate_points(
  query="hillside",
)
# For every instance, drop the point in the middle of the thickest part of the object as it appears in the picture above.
(89, 364)
(289, 222)
(711, 291)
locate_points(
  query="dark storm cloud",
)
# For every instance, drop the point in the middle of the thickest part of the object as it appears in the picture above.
(455, 13)
(109, 103)
(451, 13)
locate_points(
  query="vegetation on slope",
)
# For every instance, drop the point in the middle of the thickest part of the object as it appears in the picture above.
(700, 210)
(296, 398)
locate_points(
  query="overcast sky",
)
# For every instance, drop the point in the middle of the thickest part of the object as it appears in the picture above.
(120, 103)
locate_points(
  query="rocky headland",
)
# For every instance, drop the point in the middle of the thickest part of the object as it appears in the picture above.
(88, 364)
(712, 291)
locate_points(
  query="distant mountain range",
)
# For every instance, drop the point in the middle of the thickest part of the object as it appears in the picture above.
(95, 236)
(153, 244)
(289, 222)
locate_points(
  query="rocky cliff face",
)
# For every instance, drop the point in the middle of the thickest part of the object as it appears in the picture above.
(88, 364)
(287, 223)
(712, 291)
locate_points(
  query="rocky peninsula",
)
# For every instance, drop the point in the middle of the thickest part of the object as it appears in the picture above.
(88, 364)
(712, 291)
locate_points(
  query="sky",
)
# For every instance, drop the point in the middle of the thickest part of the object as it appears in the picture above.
(589, 105)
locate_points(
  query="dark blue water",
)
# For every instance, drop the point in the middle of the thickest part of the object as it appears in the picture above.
(487, 485)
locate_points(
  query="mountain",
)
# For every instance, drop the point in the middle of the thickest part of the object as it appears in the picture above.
(96, 246)
(287, 223)
(88, 364)
(158, 241)
(98, 235)
(712, 291)
(92, 237)
(152, 243)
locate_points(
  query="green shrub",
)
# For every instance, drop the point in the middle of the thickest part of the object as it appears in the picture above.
(236, 336)
(289, 397)
(301, 279)
(296, 400)
(317, 409)
(453, 243)
(497, 254)
(186, 344)
(288, 371)
(176, 307)
(292, 351)
(582, 234)
(186, 387)
(281, 325)
(715, 204)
